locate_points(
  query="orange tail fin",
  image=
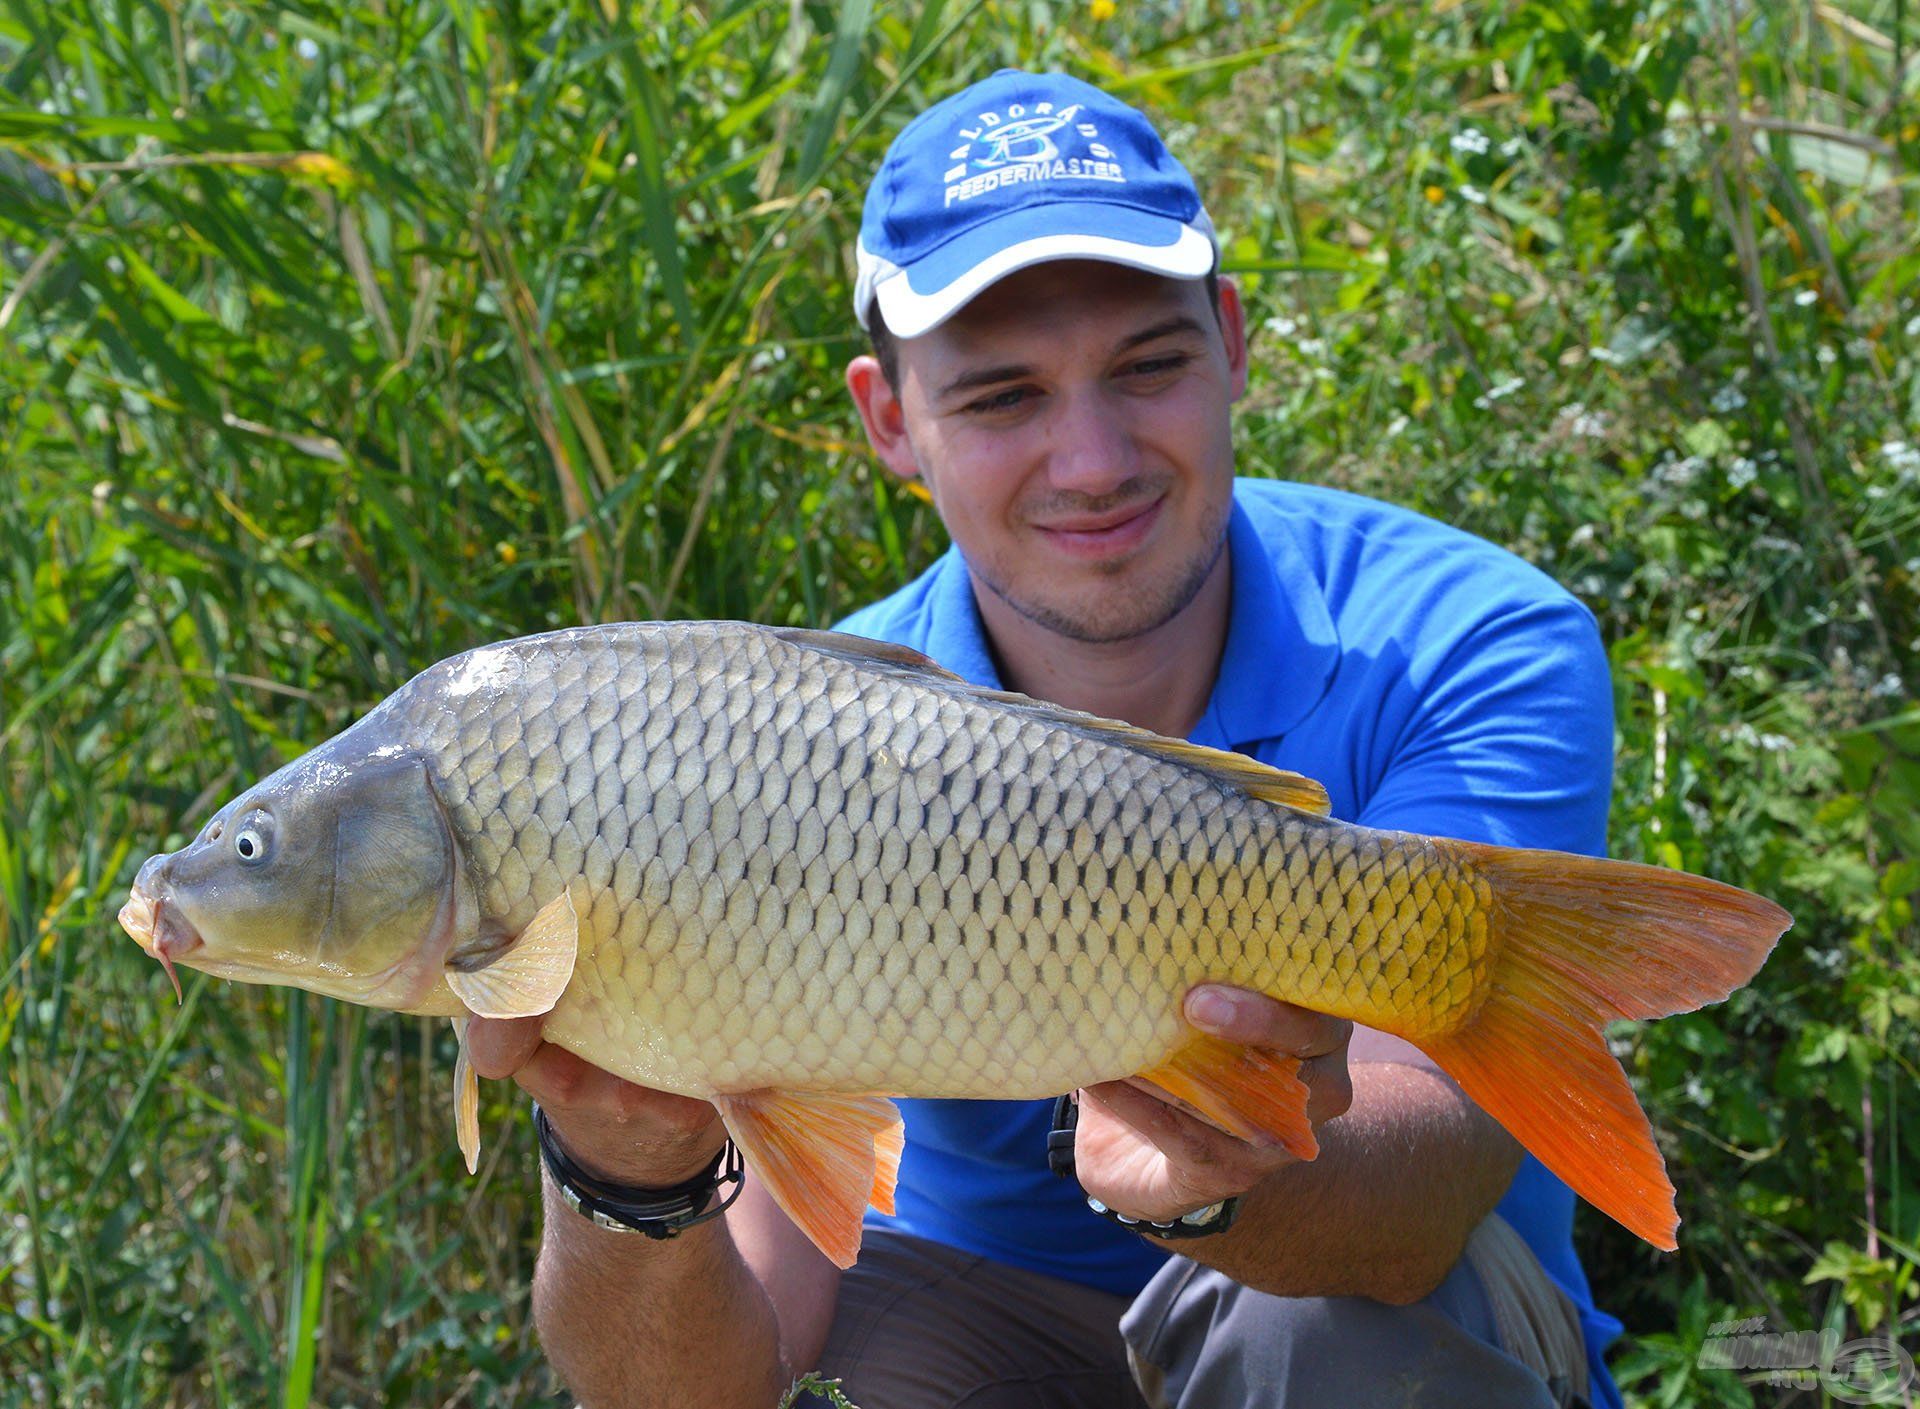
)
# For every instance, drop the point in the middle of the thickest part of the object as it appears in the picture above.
(1579, 942)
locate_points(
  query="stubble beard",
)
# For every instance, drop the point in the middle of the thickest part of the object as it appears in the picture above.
(1130, 612)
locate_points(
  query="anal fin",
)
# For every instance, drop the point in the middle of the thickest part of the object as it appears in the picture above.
(822, 1156)
(888, 1146)
(1249, 1092)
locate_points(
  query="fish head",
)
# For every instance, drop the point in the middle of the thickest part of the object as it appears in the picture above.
(337, 874)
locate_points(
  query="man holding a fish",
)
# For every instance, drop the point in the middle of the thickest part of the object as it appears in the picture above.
(1056, 361)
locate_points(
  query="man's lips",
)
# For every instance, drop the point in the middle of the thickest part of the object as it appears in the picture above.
(1097, 534)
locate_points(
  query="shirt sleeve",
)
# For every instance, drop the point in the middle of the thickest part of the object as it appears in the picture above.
(1509, 739)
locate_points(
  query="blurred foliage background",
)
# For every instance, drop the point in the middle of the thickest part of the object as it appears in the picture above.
(336, 337)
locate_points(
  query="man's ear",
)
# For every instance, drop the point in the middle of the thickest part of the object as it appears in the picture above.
(1233, 328)
(882, 415)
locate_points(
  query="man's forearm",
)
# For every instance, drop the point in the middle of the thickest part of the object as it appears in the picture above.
(628, 1321)
(1401, 1181)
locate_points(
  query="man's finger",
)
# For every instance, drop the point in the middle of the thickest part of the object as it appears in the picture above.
(499, 1047)
(1329, 1086)
(1241, 1015)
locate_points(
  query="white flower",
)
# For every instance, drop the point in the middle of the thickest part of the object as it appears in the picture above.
(1913, 326)
(1729, 398)
(1499, 391)
(1512, 147)
(1825, 355)
(1807, 296)
(1473, 194)
(1605, 354)
(1679, 473)
(1887, 687)
(1742, 472)
(1583, 423)
(1311, 347)
(1395, 426)
(1469, 141)
(1583, 536)
(1282, 326)
(306, 48)
(1904, 458)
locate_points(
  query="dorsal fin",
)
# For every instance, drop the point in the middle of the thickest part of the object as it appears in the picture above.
(862, 651)
(1250, 776)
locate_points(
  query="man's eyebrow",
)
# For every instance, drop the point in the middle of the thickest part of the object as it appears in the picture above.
(983, 376)
(1179, 323)
(1014, 371)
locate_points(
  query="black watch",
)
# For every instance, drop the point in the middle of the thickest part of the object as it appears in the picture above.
(1201, 1223)
(625, 1208)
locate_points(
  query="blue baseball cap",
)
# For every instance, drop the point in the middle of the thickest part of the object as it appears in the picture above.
(1017, 170)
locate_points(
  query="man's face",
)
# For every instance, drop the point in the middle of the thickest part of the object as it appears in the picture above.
(1071, 424)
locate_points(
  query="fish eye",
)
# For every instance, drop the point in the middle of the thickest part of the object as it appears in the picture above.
(250, 844)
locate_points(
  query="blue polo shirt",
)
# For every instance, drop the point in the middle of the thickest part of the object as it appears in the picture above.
(1433, 682)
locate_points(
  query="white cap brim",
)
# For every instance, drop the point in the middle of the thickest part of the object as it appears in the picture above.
(909, 313)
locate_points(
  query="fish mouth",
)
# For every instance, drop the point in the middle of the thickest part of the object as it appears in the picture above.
(159, 929)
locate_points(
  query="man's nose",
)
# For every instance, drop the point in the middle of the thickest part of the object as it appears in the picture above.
(1092, 449)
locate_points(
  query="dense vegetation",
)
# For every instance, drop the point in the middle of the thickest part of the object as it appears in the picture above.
(339, 337)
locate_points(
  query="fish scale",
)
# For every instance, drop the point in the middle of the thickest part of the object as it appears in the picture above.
(795, 873)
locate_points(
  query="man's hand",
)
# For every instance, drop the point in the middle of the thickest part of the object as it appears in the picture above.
(1144, 1153)
(622, 1132)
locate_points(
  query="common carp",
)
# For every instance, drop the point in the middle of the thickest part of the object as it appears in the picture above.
(796, 873)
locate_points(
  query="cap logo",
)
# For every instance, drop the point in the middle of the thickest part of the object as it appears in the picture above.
(1005, 149)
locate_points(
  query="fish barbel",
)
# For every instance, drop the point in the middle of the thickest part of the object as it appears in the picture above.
(796, 873)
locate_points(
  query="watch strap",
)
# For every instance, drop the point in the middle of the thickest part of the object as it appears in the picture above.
(627, 1208)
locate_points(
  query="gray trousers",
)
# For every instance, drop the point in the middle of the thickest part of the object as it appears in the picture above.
(921, 1326)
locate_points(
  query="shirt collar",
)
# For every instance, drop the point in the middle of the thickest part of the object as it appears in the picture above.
(1282, 647)
(956, 637)
(1281, 644)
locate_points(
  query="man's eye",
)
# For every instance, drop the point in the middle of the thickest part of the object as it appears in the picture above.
(1005, 400)
(1158, 366)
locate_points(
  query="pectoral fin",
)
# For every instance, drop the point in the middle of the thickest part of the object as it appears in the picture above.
(466, 1101)
(823, 1157)
(1247, 1091)
(526, 977)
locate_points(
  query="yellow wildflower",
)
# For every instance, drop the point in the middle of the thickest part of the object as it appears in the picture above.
(319, 166)
(1435, 195)
(1101, 9)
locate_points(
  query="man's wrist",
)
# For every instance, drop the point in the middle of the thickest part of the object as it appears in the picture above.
(620, 1156)
(1202, 1222)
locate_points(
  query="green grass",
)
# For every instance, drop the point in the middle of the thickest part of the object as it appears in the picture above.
(337, 338)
